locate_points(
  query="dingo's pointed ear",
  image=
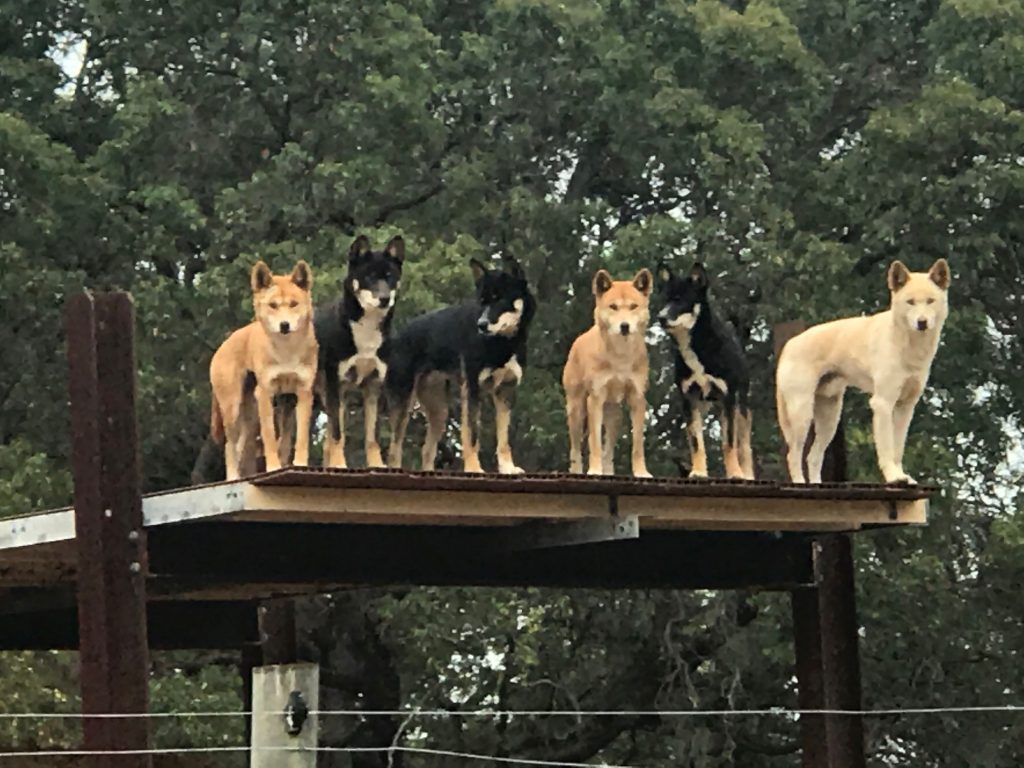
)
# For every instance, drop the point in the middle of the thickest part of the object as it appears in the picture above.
(643, 281)
(664, 273)
(359, 248)
(302, 276)
(940, 275)
(261, 277)
(898, 276)
(514, 268)
(396, 248)
(479, 270)
(602, 282)
(699, 275)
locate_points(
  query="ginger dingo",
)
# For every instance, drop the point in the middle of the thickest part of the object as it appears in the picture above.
(274, 354)
(608, 364)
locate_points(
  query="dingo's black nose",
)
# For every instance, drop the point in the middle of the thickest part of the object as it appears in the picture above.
(922, 325)
(385, 302)
(482, 324)
(285, 327)
(624, 329)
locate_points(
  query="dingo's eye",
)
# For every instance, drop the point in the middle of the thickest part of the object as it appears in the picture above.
(911, 302)
(930, 301)
(273, 305)
(632, 307)
(293, 304)
(614, 307)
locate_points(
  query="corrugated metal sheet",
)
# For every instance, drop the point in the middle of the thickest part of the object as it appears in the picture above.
(393, 479)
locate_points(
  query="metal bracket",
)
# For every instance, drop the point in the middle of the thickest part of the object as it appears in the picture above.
(571, 534)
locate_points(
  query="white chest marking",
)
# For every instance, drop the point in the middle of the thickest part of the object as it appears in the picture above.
(508, 322)
(510, 373)
(366, 333)
(368, 338)
(698, 375)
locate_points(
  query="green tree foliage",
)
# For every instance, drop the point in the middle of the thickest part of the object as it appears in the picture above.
(795, 147)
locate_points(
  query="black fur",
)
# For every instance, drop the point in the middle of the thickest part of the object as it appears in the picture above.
(713, 341)
(375, 271)
(455, 341)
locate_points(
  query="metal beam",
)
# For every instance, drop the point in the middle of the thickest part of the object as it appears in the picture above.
(211, 555)
(114, 666)
(543, 535)
(172, 625)
(194, 503)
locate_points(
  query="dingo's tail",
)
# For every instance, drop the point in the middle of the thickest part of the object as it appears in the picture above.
(780, 406)
(216, 422)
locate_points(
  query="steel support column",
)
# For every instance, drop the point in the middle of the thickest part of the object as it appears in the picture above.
(111, 543)
(825, 631)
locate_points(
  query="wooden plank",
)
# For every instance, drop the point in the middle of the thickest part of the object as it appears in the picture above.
(283, 504)
(437, 505)
(327, 517)
(661, 524)
(114, 669)
(767, 514)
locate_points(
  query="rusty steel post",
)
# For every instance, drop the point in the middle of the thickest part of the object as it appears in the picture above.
(840, 654)
(111, 545)
(810, 678)
(825, 630)
(278, 640)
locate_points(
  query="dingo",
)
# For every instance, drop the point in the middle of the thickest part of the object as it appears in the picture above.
(709, 366)
(353, 333)
(479, 345)
(608, 364)
(887, 355)
(274, 354)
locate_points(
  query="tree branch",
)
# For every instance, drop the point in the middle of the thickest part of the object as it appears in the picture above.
(403, 205)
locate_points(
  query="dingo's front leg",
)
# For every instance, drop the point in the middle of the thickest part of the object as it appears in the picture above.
(265, 407)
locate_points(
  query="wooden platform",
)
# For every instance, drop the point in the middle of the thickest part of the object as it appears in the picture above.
(214, 549)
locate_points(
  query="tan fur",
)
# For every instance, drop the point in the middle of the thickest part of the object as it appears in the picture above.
(885, 355)
(605, 368)
(431, 393)
(281, 363)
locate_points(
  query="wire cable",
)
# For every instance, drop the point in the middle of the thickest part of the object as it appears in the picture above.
(348, 750)
(485, 713)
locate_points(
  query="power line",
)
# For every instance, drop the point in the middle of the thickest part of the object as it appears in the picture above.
(349, 750)
(768, 712)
